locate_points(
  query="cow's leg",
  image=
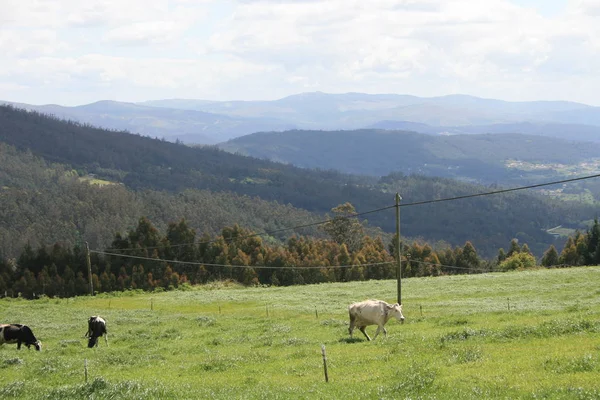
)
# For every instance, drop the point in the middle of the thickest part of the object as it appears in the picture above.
(384, 331)
(362, 329)
(377, 331)
(18, 345)
(351, 327)
(106, 339)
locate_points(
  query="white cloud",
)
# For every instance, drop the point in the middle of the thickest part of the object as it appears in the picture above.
(269, 48)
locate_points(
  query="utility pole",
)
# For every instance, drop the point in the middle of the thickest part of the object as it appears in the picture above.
(89, 266)
(398, 249)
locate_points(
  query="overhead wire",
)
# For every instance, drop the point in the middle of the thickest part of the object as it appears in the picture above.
(236, 266)
(266, 233)
(355, 215)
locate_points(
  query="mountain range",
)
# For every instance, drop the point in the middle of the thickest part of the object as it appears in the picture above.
(210, 122)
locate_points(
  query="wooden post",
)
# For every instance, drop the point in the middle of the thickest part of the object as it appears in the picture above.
(89, 266)
(316, 313)
(398, 250)
(508, 303)
(324, 362)
(85, 370)
(421, 308)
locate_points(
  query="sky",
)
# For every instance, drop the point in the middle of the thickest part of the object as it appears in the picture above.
(74, 52)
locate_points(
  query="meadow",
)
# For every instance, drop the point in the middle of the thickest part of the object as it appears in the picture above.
(525, 334)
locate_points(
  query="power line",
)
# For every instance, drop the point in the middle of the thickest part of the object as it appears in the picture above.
(499, 191)
(269, 233)
(236, 266)
(447, 266)
(408, 261)
(355, 215)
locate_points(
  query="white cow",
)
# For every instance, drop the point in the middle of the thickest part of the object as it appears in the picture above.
(373, 312)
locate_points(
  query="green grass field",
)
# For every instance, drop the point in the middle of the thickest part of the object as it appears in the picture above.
(530, 334)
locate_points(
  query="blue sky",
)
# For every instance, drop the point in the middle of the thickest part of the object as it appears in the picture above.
(547, 8)
(75, 52)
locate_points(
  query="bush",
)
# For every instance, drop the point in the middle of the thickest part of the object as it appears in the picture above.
(518, 261)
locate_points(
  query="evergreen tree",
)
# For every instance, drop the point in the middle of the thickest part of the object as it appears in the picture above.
(501, 255)
(514, 248)
(592, 254)
(569, 254)
(343, 229)
(550, 257)
(468, 259)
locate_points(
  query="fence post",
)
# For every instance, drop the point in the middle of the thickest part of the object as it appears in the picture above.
(324, 362)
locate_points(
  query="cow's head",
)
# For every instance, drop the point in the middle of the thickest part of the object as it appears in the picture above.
(395, 310)
(37, 344)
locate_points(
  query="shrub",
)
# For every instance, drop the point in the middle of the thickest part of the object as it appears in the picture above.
(518, 261)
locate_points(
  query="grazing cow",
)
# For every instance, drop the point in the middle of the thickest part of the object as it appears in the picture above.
(373, 312)
(96, 328)
(17, 333)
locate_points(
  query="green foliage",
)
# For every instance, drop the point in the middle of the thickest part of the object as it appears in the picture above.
(550, 257)
(343, 229)
(518, 261)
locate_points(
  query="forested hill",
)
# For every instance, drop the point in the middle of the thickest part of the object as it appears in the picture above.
(141, 163)
(482, 158)
(145, 163)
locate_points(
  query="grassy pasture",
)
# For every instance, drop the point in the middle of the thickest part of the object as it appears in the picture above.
(530, 334)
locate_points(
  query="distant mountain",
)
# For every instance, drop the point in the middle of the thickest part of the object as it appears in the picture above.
(188, 126)
(571, 132)
(210, 122)
(481, 158)
(319, 110)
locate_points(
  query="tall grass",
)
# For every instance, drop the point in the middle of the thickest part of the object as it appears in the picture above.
(532, 335)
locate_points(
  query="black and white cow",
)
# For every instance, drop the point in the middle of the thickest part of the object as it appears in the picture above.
(19, 334)
(96, 328)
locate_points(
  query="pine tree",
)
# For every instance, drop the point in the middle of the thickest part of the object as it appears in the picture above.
(550, 257)
(514, 248)
(592, 254)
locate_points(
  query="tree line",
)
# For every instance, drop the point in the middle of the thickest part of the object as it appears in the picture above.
(144, 258)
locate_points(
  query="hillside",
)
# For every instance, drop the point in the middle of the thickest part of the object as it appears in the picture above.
(187, 126)
(143, 164)
(570, 132)
(43, 203)
(480, 158)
